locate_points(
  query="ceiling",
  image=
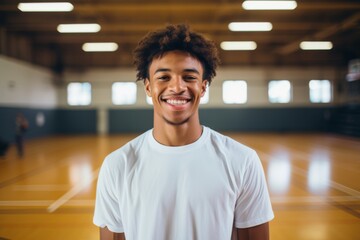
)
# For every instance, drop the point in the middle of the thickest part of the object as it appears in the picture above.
(33, 36)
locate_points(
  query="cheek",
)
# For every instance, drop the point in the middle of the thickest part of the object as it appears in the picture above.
(155, 91)
(200, 89)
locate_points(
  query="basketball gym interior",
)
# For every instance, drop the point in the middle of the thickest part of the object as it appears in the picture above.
(288, 86)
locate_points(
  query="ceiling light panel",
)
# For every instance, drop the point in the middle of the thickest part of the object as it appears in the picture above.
(46, 7)
(100, 47)
(250, 26)
(79, 28)
(238, 45)
(269, 5)
(316, 45)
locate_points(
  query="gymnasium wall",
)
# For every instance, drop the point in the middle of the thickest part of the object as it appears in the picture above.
(26, 85)
(257, 79)
(32, 90)
(257, 114)
(304, 119)
(42, 122)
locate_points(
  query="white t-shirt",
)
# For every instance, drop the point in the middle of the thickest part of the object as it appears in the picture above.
(198, 191)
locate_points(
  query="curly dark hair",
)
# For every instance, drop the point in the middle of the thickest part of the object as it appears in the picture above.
(175, 37)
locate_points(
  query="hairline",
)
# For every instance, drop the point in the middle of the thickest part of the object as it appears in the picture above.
(160, 54)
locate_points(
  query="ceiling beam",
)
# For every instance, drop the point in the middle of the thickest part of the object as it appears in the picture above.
(280, 38)
(140, 27)
(321, 35)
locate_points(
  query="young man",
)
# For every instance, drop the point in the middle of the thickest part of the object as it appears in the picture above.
(181, 180)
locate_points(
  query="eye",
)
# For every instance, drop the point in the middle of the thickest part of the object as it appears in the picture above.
(189, 78)
(163, 77)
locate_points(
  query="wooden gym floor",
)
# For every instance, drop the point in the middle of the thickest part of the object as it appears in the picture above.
(314, 182)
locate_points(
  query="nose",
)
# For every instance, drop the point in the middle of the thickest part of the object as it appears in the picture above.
(177, 84)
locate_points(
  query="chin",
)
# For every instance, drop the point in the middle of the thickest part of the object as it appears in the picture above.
(176, 122)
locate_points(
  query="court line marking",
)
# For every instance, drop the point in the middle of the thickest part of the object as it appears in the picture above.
(305, 156)
(304, 173)
(314, 199)
(332, 184)
(72, 192)
(46, 188)
(28, 203)
(44, 203)
(33, 172)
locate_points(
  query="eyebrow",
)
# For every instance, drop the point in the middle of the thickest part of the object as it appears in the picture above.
(162, 70)
(192, 70)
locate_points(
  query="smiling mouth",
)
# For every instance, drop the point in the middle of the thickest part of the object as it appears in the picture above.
(176, 102)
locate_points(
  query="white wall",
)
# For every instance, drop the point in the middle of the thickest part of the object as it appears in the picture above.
(257, 79)
(25, 85)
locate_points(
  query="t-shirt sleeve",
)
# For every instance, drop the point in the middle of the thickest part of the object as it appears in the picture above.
(253, 206)
(107, 210)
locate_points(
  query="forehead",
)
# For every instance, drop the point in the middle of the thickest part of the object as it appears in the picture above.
(175, 61)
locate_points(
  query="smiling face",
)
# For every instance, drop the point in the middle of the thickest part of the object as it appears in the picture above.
(175, 85)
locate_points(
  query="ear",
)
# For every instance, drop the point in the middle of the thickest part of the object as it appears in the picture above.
(147, 87)
(204, 84)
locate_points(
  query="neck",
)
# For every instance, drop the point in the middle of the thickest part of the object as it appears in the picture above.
(177, 135)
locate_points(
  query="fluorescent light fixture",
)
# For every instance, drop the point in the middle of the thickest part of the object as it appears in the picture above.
(79, 28)
(316, 45)
(250, 26)
(46, 7)
(100, 47)
(269, 5)
(238, 45)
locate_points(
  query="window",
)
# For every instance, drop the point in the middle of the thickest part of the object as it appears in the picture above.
(124, 93)
(234, 91)
(205, 98)
(149, 100)
(79, 93)
(279, 91)
(320, 91)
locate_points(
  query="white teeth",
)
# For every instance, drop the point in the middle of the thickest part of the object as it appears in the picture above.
(176, 102)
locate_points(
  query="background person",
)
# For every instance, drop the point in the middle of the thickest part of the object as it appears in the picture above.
(21, 126)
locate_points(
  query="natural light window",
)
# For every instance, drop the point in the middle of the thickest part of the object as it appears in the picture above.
(124, 93)
(205, 98)
(320, 91)
(79, 93)
(234, 91)
(279, 91)
(149, 100)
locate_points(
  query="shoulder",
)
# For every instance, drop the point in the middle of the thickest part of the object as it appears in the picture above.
(240, 157)
(229, 144)
(125, 153)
